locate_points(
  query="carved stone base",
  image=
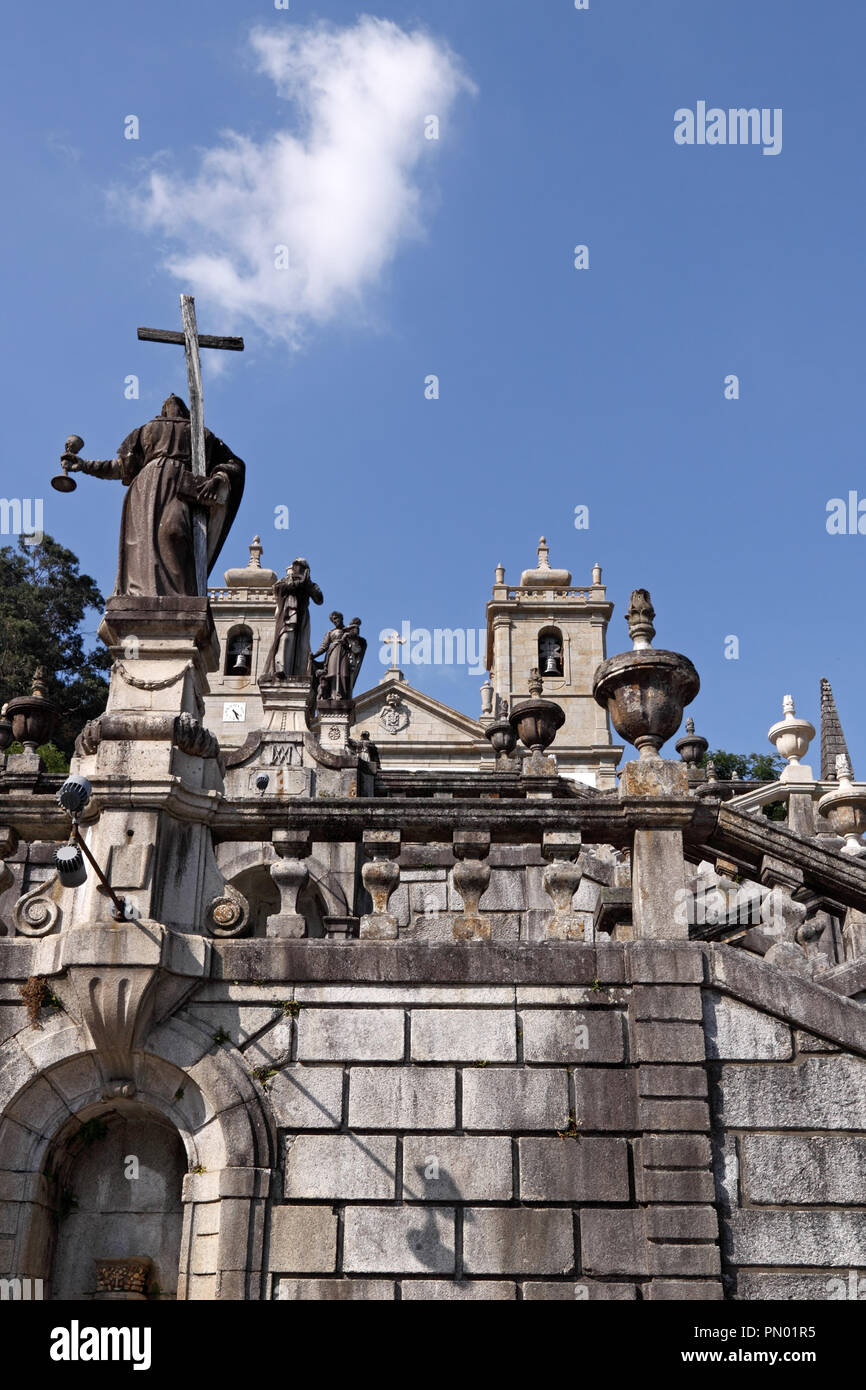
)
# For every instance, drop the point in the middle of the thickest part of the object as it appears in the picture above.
(122, 1278)
(378, 926)
(470, 927)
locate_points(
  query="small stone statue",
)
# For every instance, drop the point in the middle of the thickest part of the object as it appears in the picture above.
(343, 649)
(289, 656)
(154, 463)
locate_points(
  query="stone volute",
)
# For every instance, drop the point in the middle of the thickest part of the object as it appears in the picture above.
(845, 808)
(645, 690)
(33, 716)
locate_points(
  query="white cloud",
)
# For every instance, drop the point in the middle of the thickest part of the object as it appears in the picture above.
(340, 195)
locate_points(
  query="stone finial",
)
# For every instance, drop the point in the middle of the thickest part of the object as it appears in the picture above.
(252, 576)
(536, 685)
(544, 576)
(487, 698)
(691, 748)
(712, 775)
(843, 768)
(792, 737)
(39, 689)
(596, 574)
(500, 574)
(639, 616)
(845, 808)
(832, 738)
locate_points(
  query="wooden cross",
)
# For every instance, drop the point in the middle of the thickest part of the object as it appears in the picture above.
(191, 341)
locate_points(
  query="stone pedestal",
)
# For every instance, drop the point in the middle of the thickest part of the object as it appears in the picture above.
(659, 897)
(286, 704)
(156, 771)
(335, 720)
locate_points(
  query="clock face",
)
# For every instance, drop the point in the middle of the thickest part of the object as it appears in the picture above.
(234, 712)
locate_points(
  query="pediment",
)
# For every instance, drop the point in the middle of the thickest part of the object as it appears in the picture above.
(393, 712)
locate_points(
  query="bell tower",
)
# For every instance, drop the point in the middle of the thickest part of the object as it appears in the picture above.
(547, 622)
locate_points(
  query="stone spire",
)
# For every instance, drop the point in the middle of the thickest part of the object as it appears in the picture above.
(833, 743)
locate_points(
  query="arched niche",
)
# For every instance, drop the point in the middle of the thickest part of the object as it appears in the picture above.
(180, 1084)
(116, 1175)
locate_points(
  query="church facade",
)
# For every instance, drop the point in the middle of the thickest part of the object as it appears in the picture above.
(350, 995)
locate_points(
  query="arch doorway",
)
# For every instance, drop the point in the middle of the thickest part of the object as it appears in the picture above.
(117, 1182)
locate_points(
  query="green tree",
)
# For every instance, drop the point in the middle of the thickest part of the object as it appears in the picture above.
(746, 767)
(43, 603)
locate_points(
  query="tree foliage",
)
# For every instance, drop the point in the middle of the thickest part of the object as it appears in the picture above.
(745, 767)
(44, 601)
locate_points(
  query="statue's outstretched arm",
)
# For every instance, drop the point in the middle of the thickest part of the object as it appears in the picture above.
(98, 468)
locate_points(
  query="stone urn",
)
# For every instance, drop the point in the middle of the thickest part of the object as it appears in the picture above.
(536, 721)
(6, 734)
(792, 737)
(645, 690)
(845, 808)
(33, 716)
(501, 733)
(691, 748)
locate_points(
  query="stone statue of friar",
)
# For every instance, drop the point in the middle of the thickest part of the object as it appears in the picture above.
(154, 463)
(289, 656)
(343, 649)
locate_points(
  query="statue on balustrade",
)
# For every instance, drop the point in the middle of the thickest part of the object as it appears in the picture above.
(289, 656)
(343, 650)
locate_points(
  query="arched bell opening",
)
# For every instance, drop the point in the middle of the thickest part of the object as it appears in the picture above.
(239, 652)
(114, 1183)
(551, 661)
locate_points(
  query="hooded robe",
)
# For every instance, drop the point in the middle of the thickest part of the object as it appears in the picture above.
(156, 530)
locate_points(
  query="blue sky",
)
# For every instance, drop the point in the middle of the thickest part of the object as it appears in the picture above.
(558, 387)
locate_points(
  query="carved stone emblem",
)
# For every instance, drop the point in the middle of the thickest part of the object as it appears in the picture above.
(128, 1276)
(393, 715)
(229, 914)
